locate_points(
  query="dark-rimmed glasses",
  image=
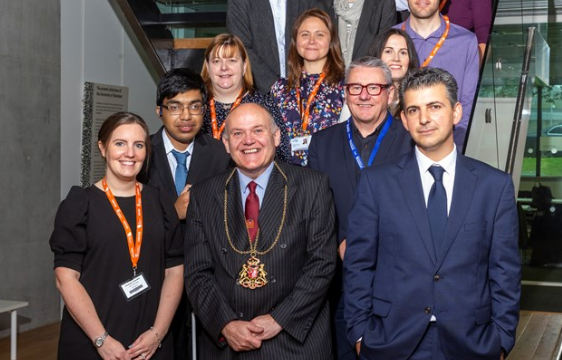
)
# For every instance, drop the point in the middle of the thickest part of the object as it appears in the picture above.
(372, 89)
(178, 108)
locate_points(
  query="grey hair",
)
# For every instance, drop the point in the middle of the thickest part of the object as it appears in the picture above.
(427, 77)
(273, 125)
(370, 62)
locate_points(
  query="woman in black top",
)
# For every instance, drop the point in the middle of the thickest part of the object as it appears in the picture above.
(120, 291)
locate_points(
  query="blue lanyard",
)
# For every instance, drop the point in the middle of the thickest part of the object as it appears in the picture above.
(375, 148)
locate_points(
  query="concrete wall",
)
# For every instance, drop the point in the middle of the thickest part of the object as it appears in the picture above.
(48, 49)
(96, 48)
(30, 156)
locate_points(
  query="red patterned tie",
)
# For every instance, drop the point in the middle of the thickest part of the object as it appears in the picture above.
(252, 211)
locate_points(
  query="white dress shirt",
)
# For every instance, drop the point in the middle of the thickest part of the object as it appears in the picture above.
(279, 9)
(172, 162)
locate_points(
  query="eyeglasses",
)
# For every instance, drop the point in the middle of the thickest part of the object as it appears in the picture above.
(372, 89)
(177, 108)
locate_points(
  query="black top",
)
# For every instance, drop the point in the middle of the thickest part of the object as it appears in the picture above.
(89, 238)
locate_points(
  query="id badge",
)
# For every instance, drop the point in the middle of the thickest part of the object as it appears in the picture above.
(300, 143)
(134, 287)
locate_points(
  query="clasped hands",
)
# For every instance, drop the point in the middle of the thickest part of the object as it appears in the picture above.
(248, 335)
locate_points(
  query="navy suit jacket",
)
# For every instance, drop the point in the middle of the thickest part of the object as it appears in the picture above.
(329, 152)
(394, 280)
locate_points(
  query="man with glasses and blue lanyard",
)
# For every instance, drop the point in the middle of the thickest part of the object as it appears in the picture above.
(181, 156)
(368, 138)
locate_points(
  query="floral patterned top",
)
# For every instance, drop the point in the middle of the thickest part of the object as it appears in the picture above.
(324, 112)
(283, 151)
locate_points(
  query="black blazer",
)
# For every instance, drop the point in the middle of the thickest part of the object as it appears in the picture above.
(252, 21)
(209, 158)
(329, 152)
(299, 267)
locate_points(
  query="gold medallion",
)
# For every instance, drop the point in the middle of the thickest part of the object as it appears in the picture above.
(252, 275)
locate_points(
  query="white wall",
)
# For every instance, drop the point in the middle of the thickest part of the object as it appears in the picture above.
(96, 48)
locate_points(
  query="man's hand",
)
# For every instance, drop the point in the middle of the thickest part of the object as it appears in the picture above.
(341, 248)
(270, 327)
(358, 347)
(182, 202)
(242, 335)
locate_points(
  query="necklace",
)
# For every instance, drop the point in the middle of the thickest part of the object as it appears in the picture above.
(253, 274)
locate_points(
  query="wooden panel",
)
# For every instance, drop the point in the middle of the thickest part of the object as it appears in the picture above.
(196, 43)
(40, 343)
(550, 342)
(524, 317)
(530, 338)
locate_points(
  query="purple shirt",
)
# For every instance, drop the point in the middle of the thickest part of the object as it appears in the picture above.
(459, 56)
(473, 15)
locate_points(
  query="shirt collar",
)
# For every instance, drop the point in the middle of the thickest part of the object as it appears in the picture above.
(169, 147)
(377, 130)
(447, 163)
(260, 180)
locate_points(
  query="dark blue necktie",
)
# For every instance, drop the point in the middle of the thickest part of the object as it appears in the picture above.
(180, 178)
(437, 207)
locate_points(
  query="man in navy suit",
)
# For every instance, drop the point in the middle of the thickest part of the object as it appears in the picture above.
(432, 266)
(370, 137)
(180, 104)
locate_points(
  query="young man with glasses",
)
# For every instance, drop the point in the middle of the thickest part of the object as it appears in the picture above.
(368, 138)
(181, 156)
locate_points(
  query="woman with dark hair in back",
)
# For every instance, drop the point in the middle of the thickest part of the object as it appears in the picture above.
(311, 97)
(118, 256)
(396, 49)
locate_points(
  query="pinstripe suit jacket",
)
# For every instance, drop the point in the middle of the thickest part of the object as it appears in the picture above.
(299, 267)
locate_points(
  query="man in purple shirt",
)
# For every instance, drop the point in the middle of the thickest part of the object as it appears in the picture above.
(458, 53)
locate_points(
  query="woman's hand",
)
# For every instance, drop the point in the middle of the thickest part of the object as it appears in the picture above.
(144, 346)
(113, 350)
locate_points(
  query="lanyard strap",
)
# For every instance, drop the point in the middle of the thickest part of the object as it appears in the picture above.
(306, 113)
(134, 249)
(217, 132)
(439, 43)
(442, 4)
(375, 148)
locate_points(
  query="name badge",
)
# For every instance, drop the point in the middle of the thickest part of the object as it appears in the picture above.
(134, 287)
(300, 143)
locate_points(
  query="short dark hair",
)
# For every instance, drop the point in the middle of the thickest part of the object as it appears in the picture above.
(427, 77)
(123, 118)
(177, 81)
(379, 43)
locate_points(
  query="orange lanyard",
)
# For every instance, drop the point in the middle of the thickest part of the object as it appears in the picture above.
(442, 4)
(216, 131)
(134, 249)
(439, 43)
(306, 113)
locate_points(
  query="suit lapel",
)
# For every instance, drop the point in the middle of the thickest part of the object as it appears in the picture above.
(386, 143)
(271, 211)
(235, 215)
(410, 184)
(198, 161)
(366, 14)
(349, 161)
(463, 193)
(161, 166)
